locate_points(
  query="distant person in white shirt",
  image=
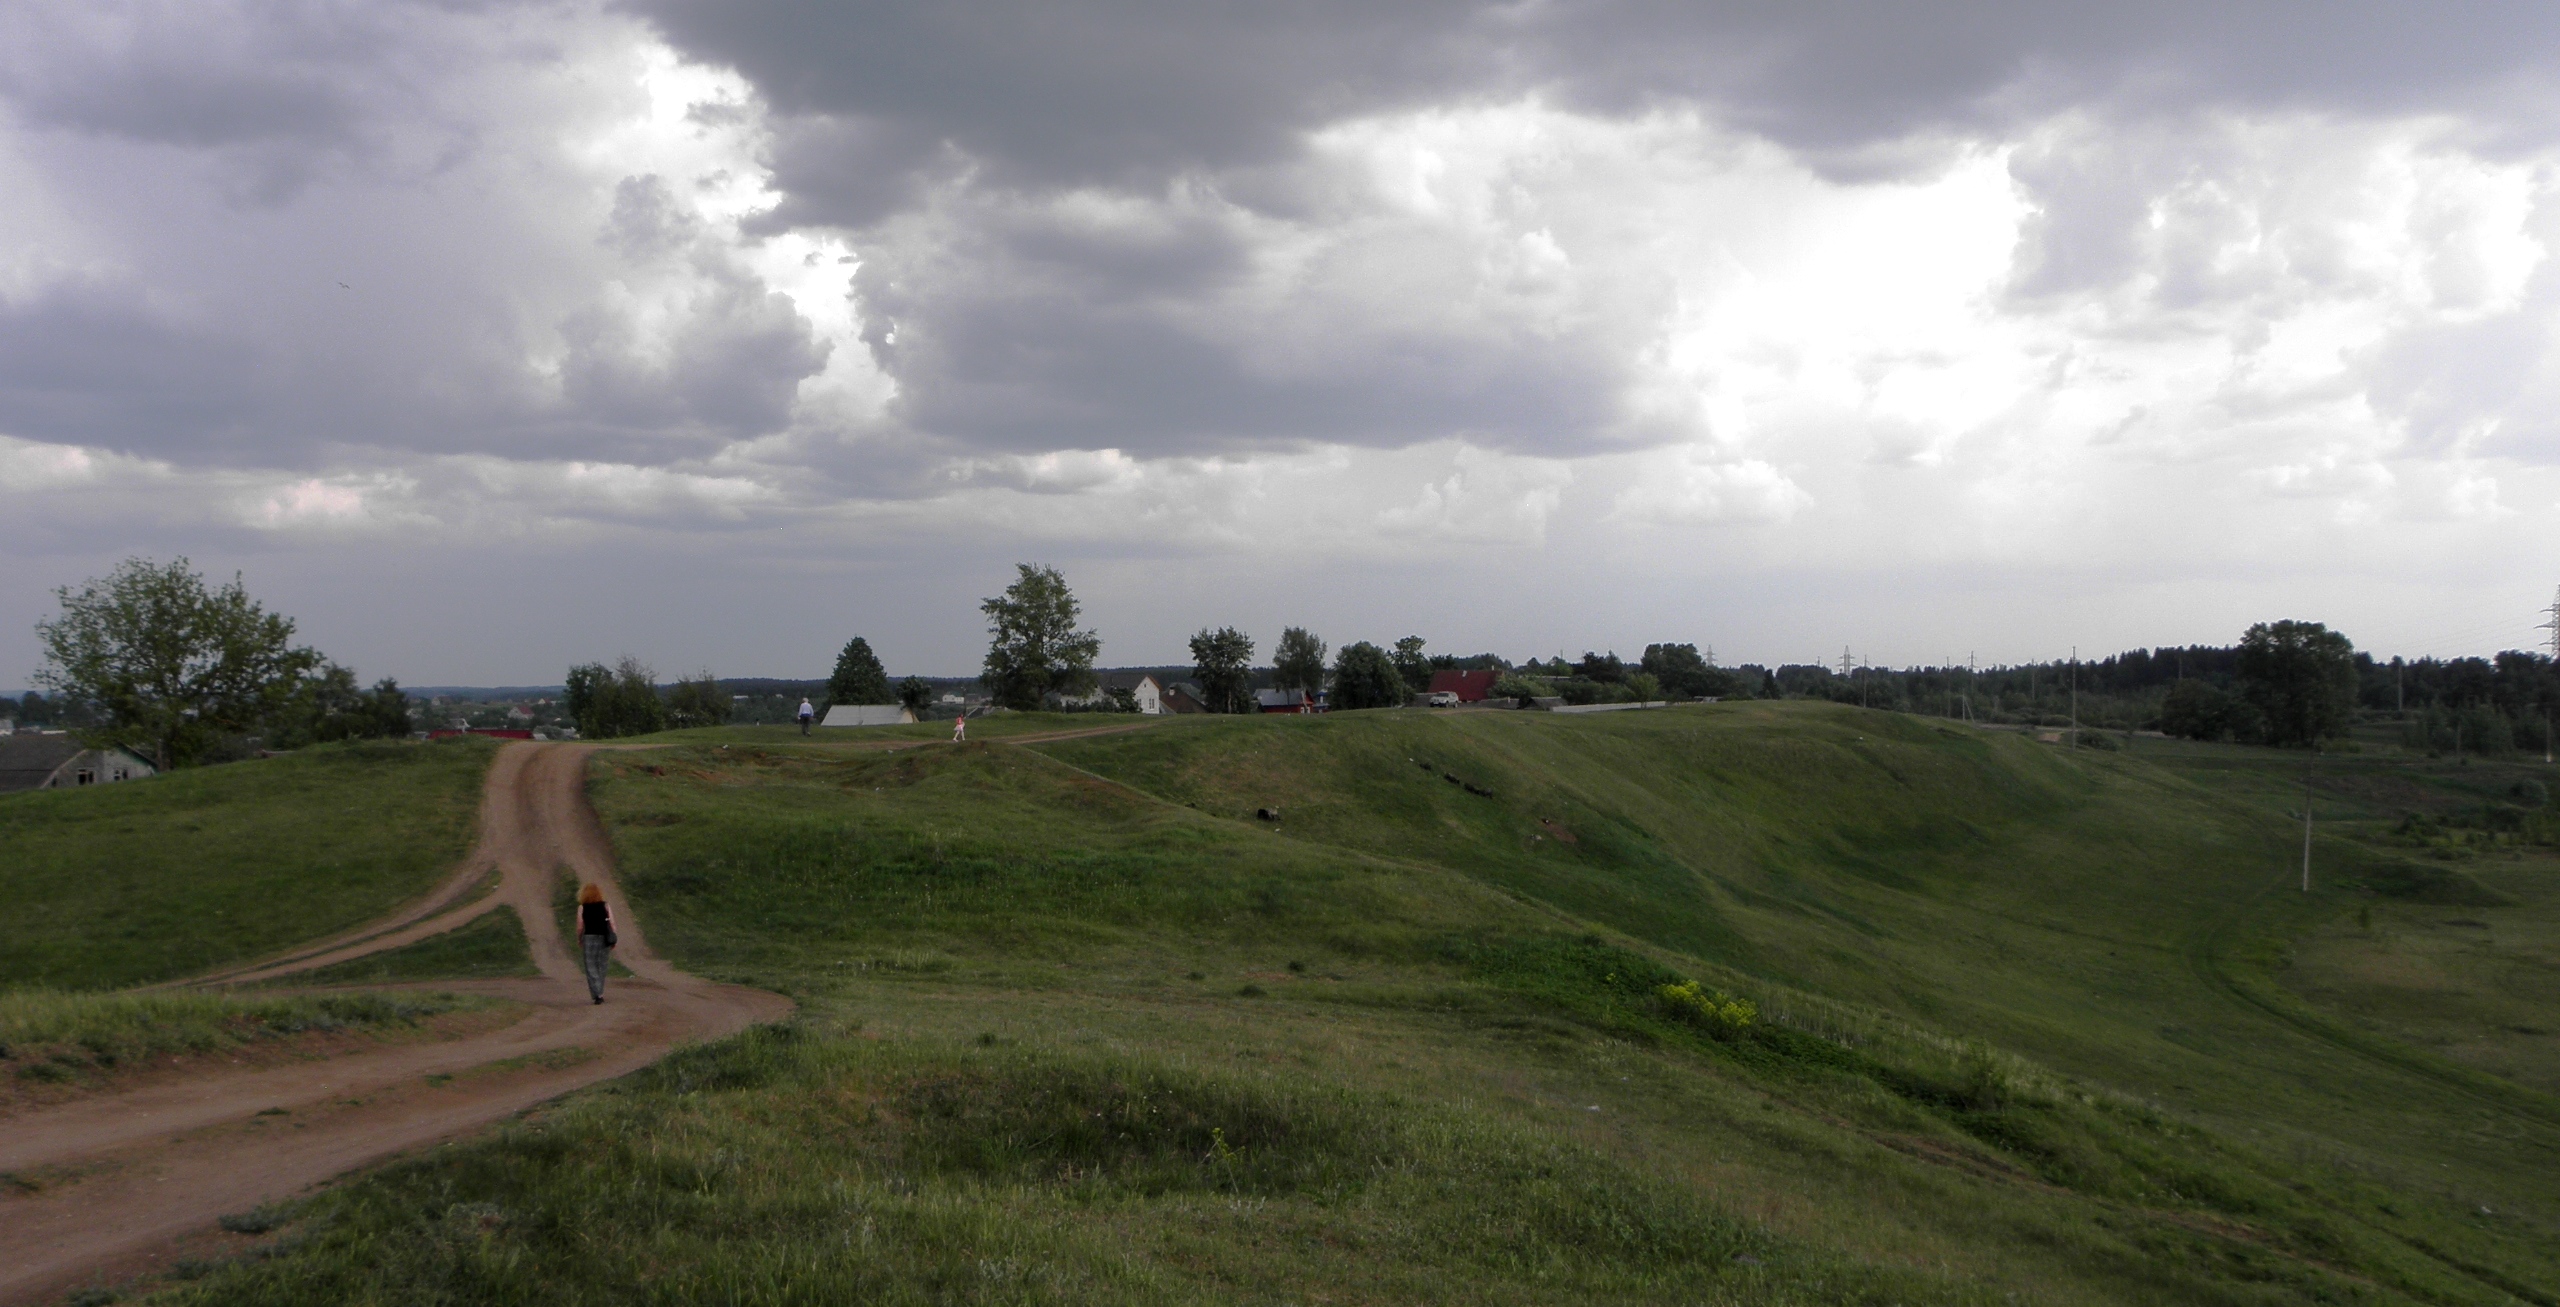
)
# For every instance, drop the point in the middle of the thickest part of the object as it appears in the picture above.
(807, 715)
(960, 729)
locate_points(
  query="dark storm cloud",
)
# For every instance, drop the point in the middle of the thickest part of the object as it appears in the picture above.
(1032, 332)
(1066, 94)
(1008, 326)
(89, 364)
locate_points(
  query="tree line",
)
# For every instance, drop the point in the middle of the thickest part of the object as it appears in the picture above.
(153, 658)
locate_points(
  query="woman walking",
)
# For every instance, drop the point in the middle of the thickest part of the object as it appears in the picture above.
(595, 936)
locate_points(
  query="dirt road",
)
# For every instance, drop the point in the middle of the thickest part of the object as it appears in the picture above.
(126, 1177)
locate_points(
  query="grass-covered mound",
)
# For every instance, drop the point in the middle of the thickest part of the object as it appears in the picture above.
(1787, 1003)
(986, 1174)
(491, 945)
(115, 885)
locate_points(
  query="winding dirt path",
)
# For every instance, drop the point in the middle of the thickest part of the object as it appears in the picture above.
(128, 1177)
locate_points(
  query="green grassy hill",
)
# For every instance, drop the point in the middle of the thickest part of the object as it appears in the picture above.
(1762, 1003)
(130, 884)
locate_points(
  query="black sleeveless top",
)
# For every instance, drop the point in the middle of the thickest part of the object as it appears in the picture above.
(591, 919)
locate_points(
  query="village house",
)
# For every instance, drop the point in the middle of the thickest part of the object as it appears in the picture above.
(1287, 701)
(1470, 687)
(57, 762)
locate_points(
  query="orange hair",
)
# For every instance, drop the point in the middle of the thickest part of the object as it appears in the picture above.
(588, 893)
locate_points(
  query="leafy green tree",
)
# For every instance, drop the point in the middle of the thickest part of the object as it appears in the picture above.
(168, 666)
(859, 677)
(1411, 664)
(1605, 669)
(582, 692)
(328, 706)
(384, 715)
(1364, 676)
(697, 701)
(1517, 688)
(617, 701)
(1682, 673)
(915, 694)
(1222, 662)
(1035, 650)
(2301, 677)
(1298, 661)
(2195, 710)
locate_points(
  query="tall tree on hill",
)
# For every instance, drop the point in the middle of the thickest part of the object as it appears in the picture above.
(859, 677)
(915, 694)
(1411, 664)
(1035, 650)
(613, 701)
(168, 666)
(1222, 662)
(328, 706)
(2301, 677)
(1365, 677)
(1297, 662)
(697, 700)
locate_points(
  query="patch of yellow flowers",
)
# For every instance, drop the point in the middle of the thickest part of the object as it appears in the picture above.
(1712, 1008)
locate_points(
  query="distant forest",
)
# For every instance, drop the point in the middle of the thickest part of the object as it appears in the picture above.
(2489, 706)
(2477, 705)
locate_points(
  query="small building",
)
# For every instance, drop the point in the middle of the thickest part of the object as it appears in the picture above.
(1185, 697)
(1470, 687)
(59, 762)
(1288, 701)
(867, 714)
(1143, 690)
(519, 715)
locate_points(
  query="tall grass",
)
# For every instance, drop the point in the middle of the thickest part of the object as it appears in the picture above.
(72, 1032)
(490, 945)
(936, 1174)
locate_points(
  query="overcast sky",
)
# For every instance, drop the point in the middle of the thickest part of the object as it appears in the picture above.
(484, 338)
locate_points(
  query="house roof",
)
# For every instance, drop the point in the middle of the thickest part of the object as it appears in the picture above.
(1125, 680)
(1279, 698)
(1468, 685)
(26, 761)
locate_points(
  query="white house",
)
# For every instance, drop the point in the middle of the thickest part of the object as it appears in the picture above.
(1143, 688)
(56, 762)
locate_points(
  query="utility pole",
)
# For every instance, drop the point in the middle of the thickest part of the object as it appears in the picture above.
(2075, 696)
(2553, 626)
(2306, 833)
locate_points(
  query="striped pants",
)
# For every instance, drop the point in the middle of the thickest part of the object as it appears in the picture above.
(596, 956)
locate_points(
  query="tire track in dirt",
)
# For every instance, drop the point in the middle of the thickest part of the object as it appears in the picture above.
(125, 1177)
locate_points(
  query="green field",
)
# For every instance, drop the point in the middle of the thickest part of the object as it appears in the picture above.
(2013, 1024)
(116, 885)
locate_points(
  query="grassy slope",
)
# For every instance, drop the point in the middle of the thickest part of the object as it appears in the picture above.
(48, 1037)
(126, 884)
(488, 946)
(1405, 1047)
